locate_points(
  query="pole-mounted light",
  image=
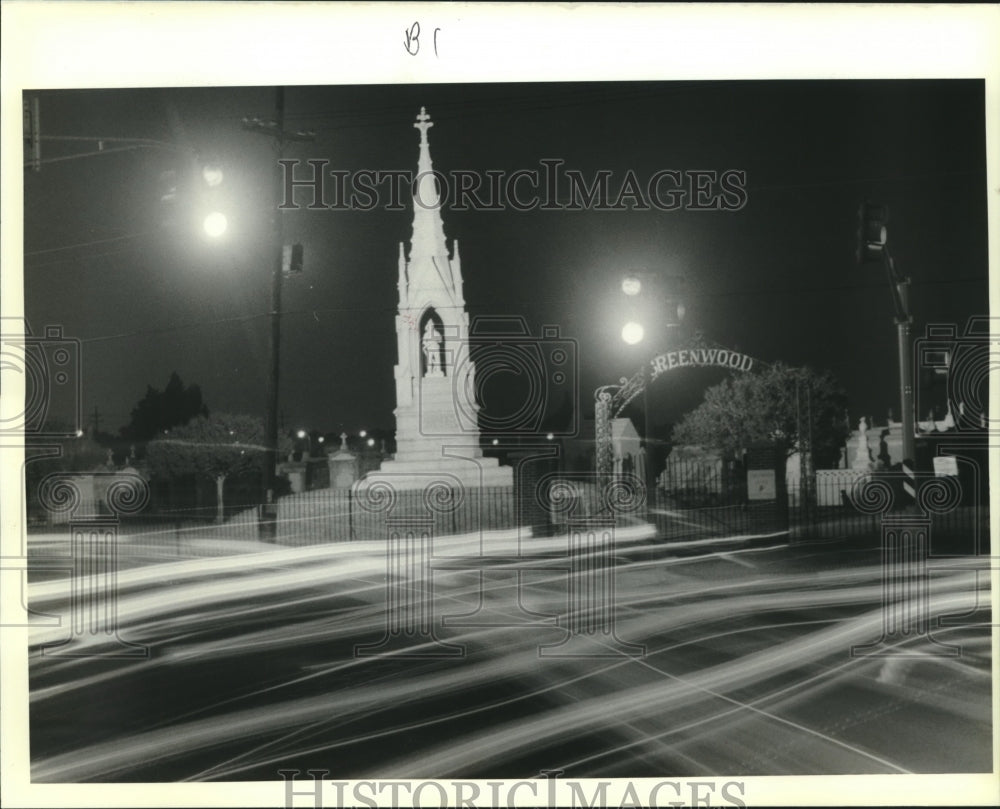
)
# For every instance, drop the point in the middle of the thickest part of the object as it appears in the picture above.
(633, 332)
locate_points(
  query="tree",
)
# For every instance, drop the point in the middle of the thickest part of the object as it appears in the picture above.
(162, 410)
(44, 456)
(217, 447)
(770, 406)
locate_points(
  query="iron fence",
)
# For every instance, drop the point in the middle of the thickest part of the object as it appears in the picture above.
(696, 501)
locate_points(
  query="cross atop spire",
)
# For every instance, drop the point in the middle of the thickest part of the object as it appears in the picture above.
(428, 229)
(423, 124)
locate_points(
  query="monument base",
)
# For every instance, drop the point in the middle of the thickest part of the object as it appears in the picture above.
(437, 439)
(470, 473)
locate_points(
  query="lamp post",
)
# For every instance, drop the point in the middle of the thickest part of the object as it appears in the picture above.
(214, 223)
(303, 434)
(633, 333)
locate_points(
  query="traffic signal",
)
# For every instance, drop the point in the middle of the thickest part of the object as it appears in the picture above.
(291, 259)
(871, 233)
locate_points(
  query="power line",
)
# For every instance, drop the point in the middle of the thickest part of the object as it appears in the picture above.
(86, 244)
(121, 251)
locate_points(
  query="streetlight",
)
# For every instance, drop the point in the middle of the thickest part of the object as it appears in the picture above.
(633, 332)
(631, 286)
(646, 299)
(215, 224)
(212, 175)
(305, 436)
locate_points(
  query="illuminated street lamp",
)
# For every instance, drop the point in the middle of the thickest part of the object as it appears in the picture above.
(633, 332)
(215, 224)
(212, 175)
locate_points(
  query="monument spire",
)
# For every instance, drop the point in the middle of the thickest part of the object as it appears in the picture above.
(437, 427)
(428, 228)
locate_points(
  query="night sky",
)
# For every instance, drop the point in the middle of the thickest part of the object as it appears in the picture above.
(132, 277)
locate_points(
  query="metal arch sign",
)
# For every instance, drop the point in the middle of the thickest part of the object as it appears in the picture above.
(611, 400)
(700, 357)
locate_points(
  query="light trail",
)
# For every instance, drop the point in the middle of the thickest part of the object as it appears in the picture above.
(710, 681)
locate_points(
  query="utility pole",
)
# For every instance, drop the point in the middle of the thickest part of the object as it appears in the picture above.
(32, 133)
(274, 129)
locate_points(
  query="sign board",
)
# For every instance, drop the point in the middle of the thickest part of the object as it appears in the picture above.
(723, 358)
(945, 466)
(761, 484)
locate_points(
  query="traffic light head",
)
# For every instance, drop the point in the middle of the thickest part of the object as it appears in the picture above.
(871, 232)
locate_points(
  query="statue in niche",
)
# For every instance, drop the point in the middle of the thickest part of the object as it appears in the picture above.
(432, 350)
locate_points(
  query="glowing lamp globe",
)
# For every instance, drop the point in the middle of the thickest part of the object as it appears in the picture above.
(212, 175)
(215, 224)
(633, 332)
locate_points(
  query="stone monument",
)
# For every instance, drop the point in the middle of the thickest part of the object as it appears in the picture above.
(862, 455)
(437, 429)
(343, 465)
